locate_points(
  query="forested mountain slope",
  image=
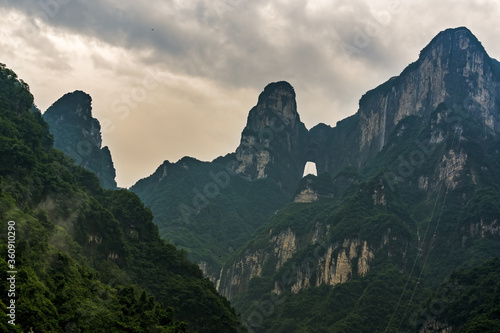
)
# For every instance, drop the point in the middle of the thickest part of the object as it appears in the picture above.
(78, 134)
(86, 259)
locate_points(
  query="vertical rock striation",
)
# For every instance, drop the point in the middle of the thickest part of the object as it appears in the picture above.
(272, 142)
(453, 69)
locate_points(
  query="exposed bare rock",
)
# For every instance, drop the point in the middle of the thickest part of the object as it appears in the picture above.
(307, 195)
(285, 246)
(451, 167)
(274, 136)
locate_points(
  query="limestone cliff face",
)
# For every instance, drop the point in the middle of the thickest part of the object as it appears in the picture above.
(337, 264)
(280, 248)
(453, 69)
(235, 278)
(274, 137)
(285, 246)
(78, 134)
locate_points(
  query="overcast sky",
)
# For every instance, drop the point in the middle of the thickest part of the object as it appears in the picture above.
(170, 78)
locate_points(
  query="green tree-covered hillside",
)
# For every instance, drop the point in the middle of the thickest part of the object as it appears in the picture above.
(87, 259)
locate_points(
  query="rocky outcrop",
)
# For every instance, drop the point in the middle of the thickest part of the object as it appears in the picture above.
(280, 248)
(78, 134)
(274, 137)
(285, 246)
(379, 195)
(482, 228)
(453, 69)
(307, 195)
(336, 266)
(307, 192)
(312, 188)
(234, 279)
(451, 168)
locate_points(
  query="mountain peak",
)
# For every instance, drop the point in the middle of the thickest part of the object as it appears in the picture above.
(78, 134)
(451, 32)
(275, 87)
(273, 128)
(453, 39)
(277, 101)
(77, 98)
(453, 70)
(74, 109)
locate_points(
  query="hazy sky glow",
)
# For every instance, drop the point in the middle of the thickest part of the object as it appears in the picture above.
(170, 78)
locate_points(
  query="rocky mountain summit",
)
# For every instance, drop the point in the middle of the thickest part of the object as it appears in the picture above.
(78, 134)
(453, 69)
(273, 139)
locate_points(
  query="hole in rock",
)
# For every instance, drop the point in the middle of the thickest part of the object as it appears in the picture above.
(310, 169)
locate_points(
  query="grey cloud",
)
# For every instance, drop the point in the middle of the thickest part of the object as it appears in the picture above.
(232, 41)
(249, 43)
(226, 40)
